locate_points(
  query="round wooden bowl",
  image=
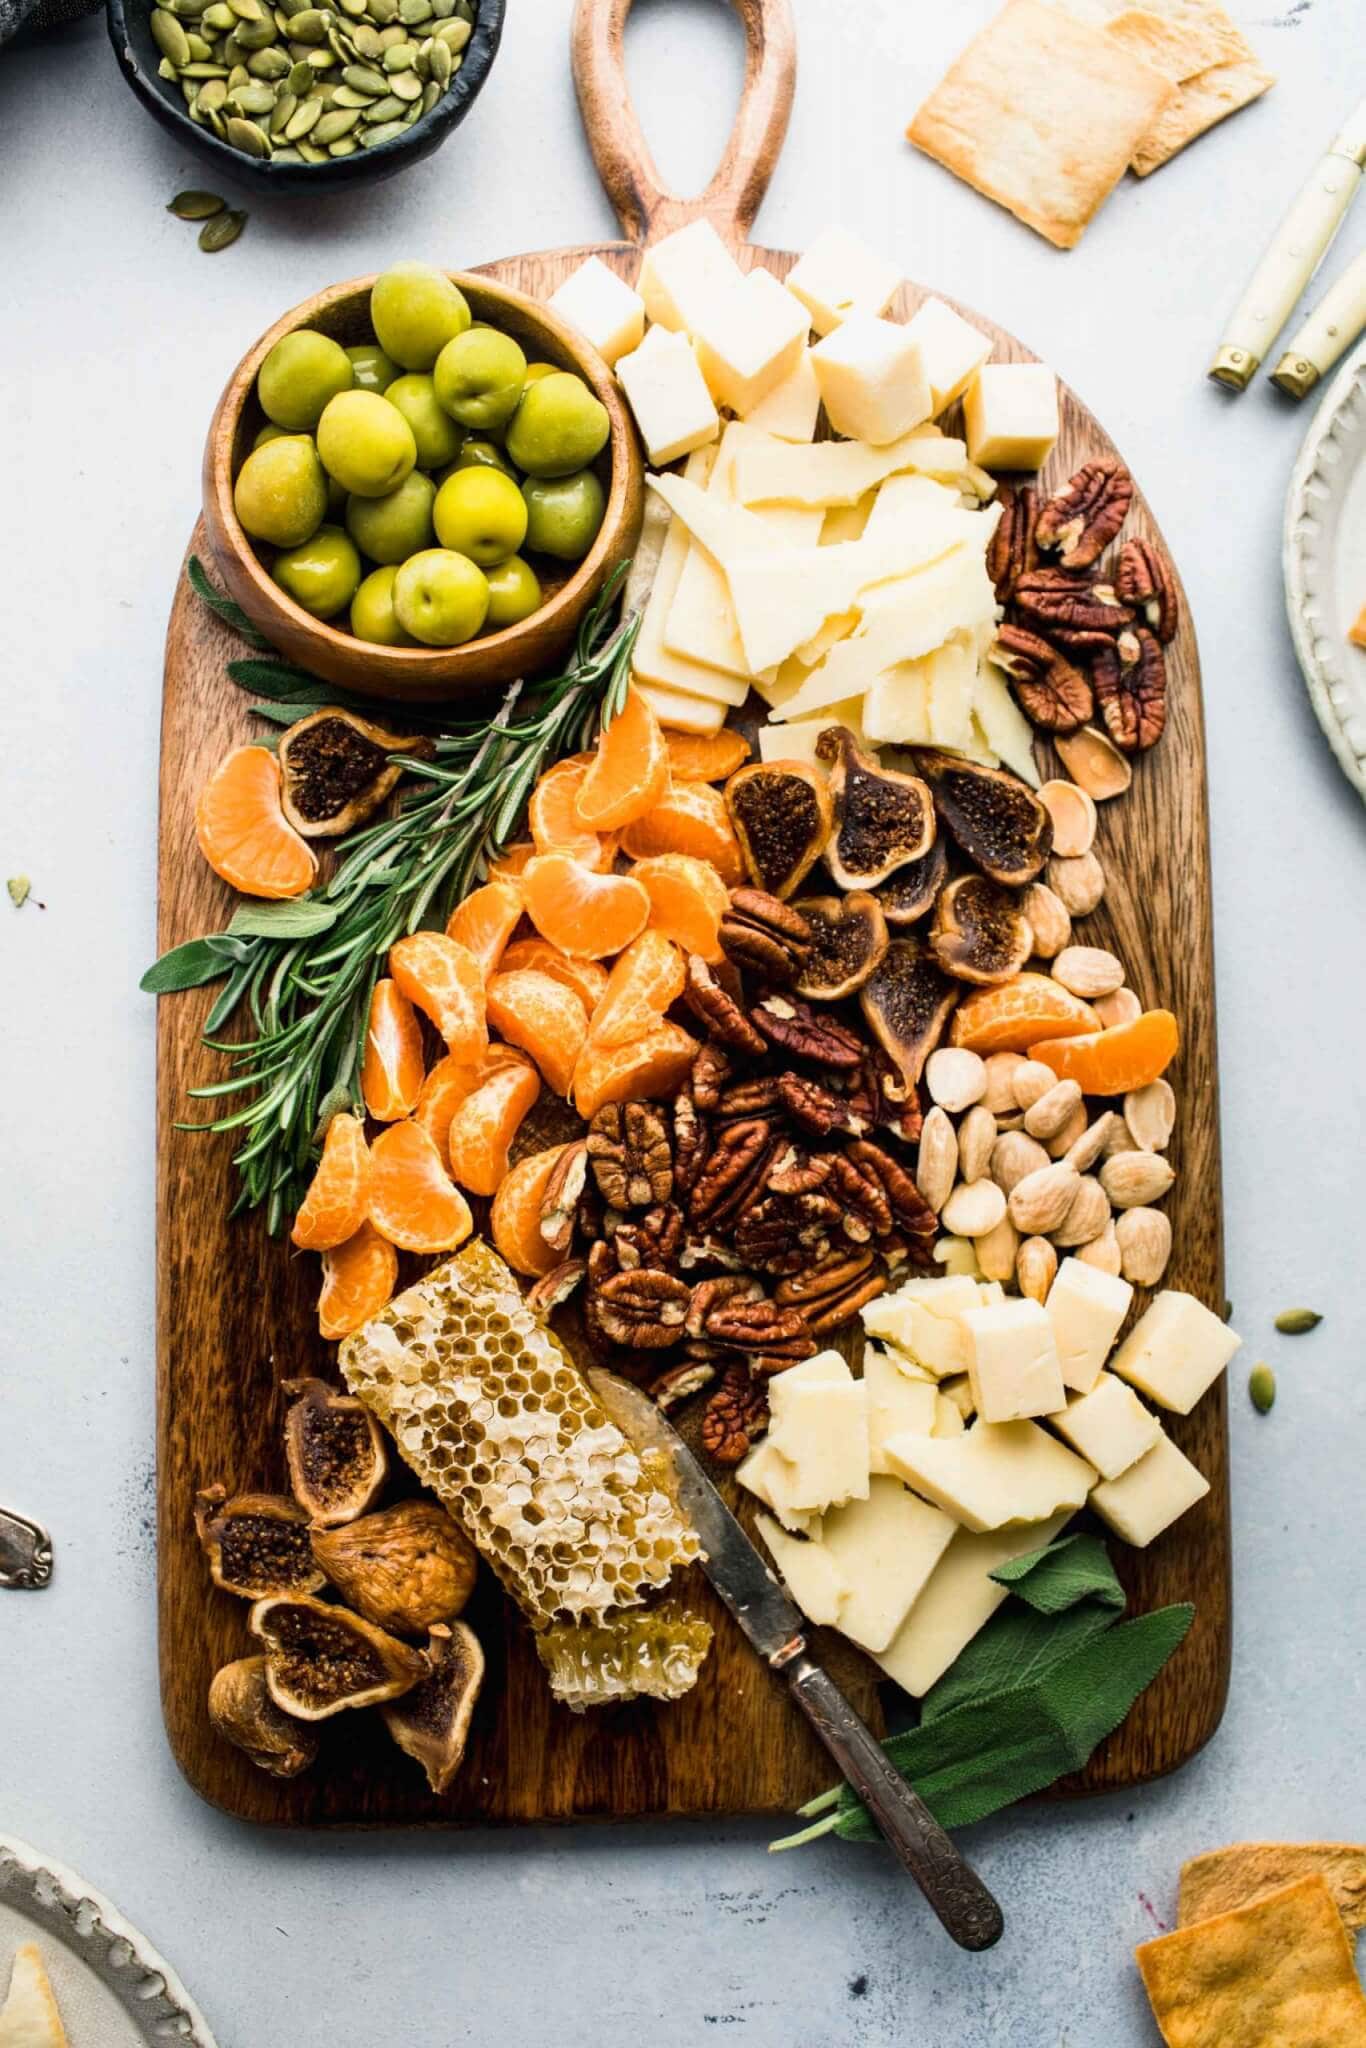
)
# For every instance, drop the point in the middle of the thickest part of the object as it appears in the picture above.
(421, 674)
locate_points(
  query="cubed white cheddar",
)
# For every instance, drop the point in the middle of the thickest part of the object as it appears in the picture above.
(668, 395)
(897, 1401)
(1176, 1351)
(1109, 1427)
(994, 1474)
(819, 1426)
(808, 1570)
(684, 274)
(1151, 1495)
(949, 1419)
(872, 380)
(959, 1599)
(766, 1476)
(951, 348)
(884, 1549)
(602, 306)
(923, 1319)
(1086, 1308)
(790, 410)
(1010, 411)
(680, 712)
(749, 341)
(838, 276)
(798, 742)
(1013, 1365)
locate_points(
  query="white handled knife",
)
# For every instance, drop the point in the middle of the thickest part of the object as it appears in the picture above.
(1330, 328)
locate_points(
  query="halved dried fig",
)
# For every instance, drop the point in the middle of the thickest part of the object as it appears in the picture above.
(241, 1708)
(432, 1722)
(335, 770)
(405, 1568)
(994, 817)
(883, 820)
(911, 891)
(907, 1001)
(337, 1460)
(848, 938)
(321, 1659)
(782, 815)
(256, 1543)
(980, 932)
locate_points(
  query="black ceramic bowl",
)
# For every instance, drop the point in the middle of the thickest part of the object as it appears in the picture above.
(130, 33)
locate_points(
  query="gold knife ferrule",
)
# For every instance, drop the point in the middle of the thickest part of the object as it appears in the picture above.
(1234, 367)
(1295, 375)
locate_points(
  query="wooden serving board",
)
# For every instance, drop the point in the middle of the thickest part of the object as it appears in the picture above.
(236, 1310)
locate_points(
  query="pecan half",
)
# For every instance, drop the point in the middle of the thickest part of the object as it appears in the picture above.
(554, 1288)
(714, 1007)
(838, 1271)
(711, 1069)
(815, 1110)
(735, 1415)
(560, 1203)
(865, 1208)
(807, 1033)
(769, 1335)
(1052, 693)
(709, 1295)
(692, 1141)
(836, 1311)
(796, 1172)
(680, 1383)
(748, 1099)
(1012, 552)
(644, 1309)
(762, 932)
(784, 1233)
(1143, 579)
(628, 1145)
(1133, 695)
(911, 1213)
(654, 1239)
(1053, 602)
(735, 1170)
(1082, 519)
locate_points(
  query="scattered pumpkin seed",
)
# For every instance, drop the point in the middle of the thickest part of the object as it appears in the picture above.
(196, 205)
(246, 136)
(1297, 1322)
(200, 50)
(338, 121)
(406, 85)
(223, 229)
(387, 109)
(1261, 1386)
(381, 132)
(170, 37)
(361, 78)
(19, 887)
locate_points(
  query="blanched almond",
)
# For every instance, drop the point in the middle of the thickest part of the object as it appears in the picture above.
(1047, 1114)
(1088, 971)
(936, 1161)
(1012, 1157)
(1036, 1268)
(955, 1077)
(1151, 1115)
(1062, 1141)
(1048, 919)
(1092, 759)
(1032, 1079)
(1001, 1070)
(976, 1136)
(1120, 1008)
(1079, 880)
(1073, 814)
(1119, 1138)
(974, 1208)
(1144, 1237)
(996, 1250)
(1086, 1150)
(1087, 1216)
(1102, 1252)
(1040, 1201)
(1133, 1179)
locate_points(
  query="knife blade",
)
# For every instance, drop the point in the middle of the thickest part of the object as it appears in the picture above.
(776, 1628)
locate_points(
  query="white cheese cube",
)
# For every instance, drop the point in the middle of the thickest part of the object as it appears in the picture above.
(1151, 1495)
(994, 1474)
(1013, 1365)
(897, 1401)
(821, 1428)
(684, 274)
(922, 1319)
(1010, 411)
(790, 410)
(839, 275)
(766, 1476)
(884, 1549)
(1176, 1351)
(949, 1419)
(872, 380)
(951, 348)
(808, 1570)
(959, 1599)
(602, 306)
(798, 742)
(827, 1367)
(680, 712)
(1086, 1308)
(749, 340)
(957, 1255)
(1109, 1427)
(668, 396)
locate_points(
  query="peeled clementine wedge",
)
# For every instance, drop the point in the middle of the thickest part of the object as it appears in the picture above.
(630, 772)
(687, 900)
(486, 1123)
(587, 979)
(705, 757)
(512, 861)
(515, 1218)
(443, 978)
(243, 832)
(391, 1073)
(485, 921)
(412, 1200)
(590, 915)
(359, 1278)
(1114, 1061)
(645, 979)
(1011, 1015)
(691, 818)
(656, 1065)
(544, 1018)
(338, 1198)
(449, 1083)
(552, 815)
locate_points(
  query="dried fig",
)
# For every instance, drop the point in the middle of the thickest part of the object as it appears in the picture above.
(256, 1543)
(980, 932)
(432, 1722)
(405, 1568)
(241, 1708)
(335, 770)
(848, 938)
(781, 813)
(883, 820)
(321, 1659)
(999, 822)
(337, 1460)
(906, 1002)
(911, 891)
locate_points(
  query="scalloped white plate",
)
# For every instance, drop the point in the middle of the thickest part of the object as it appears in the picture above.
(112, 1988)
(1325, 563)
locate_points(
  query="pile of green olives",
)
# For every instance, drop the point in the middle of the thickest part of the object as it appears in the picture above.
(405, 480)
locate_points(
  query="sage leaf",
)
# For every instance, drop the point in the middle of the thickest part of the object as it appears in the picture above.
(231, 614)
(187, 966)
(301, 918)
(281, 682)
(1013, 1650)
(1063, 1574)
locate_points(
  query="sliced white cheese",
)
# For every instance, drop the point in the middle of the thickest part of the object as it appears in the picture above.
(872, 380)
(848, 522)
(798, 742)
(1010, 412)
(959, 1391)
(951, 348)
(951, 686)
(884, 1549)
(1151, 1495)
(1086, 1308)
(839, 275)
(1109, 1427)
(994, 1474)
(602, 306)
(922, 1319)
(948, 1417)
(767, 1476)
(896, 706)
(1176, 1351)
(680, 712)
(821, 1428)
(1004, 726)
(654, 536)
(906, 493)
(840, 472)
(775, 686)
(959, 1599)
(749, 340)
(1013, 1365)
(685, 274)
(809, 1571)
(791, 408)
(897, 1401)
(826, 1368)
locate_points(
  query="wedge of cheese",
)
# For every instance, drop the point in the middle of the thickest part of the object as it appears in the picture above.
(808, 1570)
(994, 1474)
(1003, 725)
(680, 712)
(29, 2018)
(959, 1599)
(899, 1399)
(839, 472)
(884, 1548)
(791, 408)
(922, 1320)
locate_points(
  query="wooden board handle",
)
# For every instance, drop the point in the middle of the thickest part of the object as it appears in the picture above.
(645, 206)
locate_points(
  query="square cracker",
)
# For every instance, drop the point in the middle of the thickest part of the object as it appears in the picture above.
(1275, 1974)
(1225, 1878)
(1042, 114)
(1208, 26)
(1178, 47)
(1199, 104)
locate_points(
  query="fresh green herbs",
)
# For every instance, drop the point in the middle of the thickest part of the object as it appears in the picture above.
(1030, 1698)
(301, 972)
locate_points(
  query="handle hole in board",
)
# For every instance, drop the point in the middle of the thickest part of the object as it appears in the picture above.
(685, 66)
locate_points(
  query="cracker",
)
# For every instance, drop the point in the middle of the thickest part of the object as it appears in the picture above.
(1200, 104)
(1227, 1878)
(1042, 114)
(1178, 48)
(30, 2018)
(1275, 1974)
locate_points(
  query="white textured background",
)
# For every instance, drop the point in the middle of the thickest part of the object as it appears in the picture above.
(115, 337)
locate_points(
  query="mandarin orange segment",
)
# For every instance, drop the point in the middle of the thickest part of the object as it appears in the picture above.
(359, 1278)
(645, 979)
(391, 1072)
(589, 915)
(544, 1018)
(511, 862)
(630, 773)
(485, 921)
(413, 1202)
(706, 757)
(487, 1121)
(552, 815)
(654, 1066)
(443, 978)
(447, 1086)
(515, 1218)
(693, 819)
(338, 1198)
(687, 901)
(587, 979)
(243, 832)
(1011, 1015)
(1114, 1061)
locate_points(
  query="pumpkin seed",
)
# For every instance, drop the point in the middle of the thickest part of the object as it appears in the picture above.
(248, 10)
(218, 123)
(212, 95)
(322, 60)
(382, 11)
(439, 60)
(255, 99)
(196, 205)
(324, 91)
(284, 111)
(300, 78)
(201, 49)
(166, 69)
(411, 12)
(406, 85)
(269, 64)
(302, 120)
(310, 26)
(256, 35)
(443, 9)
(311, 154)
(431, 93)
(238, 77)
(454, 34)
(169, 37)
(338, 121)
(387, 109)
(1261, 1386)
(347, 96)
(246, 136)
(401, 57)
(362, 79)
(345, 145)
(1297, 1322)
(287, 156)
(224, 228)
(382, 132)
(218, 18)
(367, 42)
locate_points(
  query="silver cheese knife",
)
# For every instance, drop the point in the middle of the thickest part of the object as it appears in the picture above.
(777, 1631)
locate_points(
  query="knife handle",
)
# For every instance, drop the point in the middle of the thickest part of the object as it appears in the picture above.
(1302, 241)
(953, 1888)
(1330, 328)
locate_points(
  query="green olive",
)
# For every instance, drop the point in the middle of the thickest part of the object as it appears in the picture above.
(301, 373)
(372, 369)
(372, 611)
(391, 528)
(480, 453)
(269, 432)
(281, 491)
(535, 371)
(437, 436)
(480, 377)
(415, 311)
(558, 427)
(366, 443)
(322, 574)
(514, 593)
(482, 514)
(564, 514)
(441, 598)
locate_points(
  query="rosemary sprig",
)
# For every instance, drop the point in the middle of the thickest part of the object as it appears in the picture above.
(301, 972)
